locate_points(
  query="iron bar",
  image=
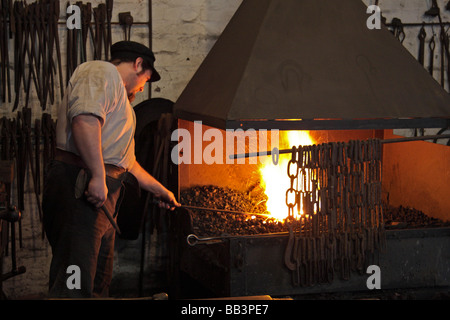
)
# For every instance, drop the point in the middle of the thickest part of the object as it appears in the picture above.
(226, 211)
(317, 124)
(419, 24)
(285, 151)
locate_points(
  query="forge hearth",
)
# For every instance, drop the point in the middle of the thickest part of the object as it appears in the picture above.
(236, 254)
(213, 223)
(278, 66)
(244, 265)
(210, 223)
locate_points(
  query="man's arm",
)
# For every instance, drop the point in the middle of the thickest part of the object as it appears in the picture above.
(86, 130)
(149, 183)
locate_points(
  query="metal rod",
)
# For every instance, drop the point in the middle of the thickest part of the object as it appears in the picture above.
(418, 24)
(226, 211)
(283, 151)
(193, 239)
(150, 38)
(111, 219)
(434, 137)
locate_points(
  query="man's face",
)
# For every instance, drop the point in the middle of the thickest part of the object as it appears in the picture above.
(137, 79)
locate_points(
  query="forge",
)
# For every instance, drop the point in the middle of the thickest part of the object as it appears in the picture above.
(336, 209)
(332, 177)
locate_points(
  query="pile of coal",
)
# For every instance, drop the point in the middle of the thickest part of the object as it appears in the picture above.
(407, 218)
(214, 223)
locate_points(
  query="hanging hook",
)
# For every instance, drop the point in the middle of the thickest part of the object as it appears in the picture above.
(434, 10)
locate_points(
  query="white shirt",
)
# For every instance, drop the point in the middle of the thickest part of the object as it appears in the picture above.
(96, 88)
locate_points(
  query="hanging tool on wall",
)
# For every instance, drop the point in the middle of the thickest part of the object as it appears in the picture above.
(100, 32)
(49, 138)
(97, 50)
(85, 24)
(18, 51)
(126, 21)
(397, 30)
(422, 36)
(103, 34)
(434, 10)
(442, 37)
(47, 15)
(37, 153)
(6, 152)
(55, 17)
(109, 9)
(25, 122)
(447, 49)
(19, 154)
(9, 216)
(12, 215)
(26, 132)
(75, 44)
(69, 50)
(431, 46)
(10, 152)
(34, 55)
(35, 40)
(4, 49)
(43, 47)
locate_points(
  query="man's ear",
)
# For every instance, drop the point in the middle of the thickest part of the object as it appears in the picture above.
(138, 64)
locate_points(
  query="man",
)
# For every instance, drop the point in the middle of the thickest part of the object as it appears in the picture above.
(95, 150)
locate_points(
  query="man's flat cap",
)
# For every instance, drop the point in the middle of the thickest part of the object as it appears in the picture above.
(133, 50)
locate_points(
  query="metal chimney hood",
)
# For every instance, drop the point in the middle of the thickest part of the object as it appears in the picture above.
(311, 65)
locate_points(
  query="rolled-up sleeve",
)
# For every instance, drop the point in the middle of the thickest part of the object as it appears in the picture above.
(90, 94)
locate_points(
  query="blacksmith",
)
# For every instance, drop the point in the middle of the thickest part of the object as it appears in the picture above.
(95, 144)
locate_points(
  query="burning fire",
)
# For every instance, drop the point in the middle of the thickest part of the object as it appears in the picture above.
(274, 177)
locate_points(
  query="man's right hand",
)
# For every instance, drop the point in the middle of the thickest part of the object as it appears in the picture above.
(168, 200)
(97, 191)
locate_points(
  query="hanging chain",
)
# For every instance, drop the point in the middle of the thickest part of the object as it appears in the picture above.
(335, 197)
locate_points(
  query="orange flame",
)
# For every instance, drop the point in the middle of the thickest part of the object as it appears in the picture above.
(274, 177)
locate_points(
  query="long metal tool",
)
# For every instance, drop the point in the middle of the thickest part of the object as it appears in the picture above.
(109, 8)
(422, 36)
(81, 185)
(431, 46)
(227, 211)
(193, 239)
(156, 201)
(287, 151)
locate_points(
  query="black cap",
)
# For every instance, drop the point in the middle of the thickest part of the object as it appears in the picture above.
(134, 50)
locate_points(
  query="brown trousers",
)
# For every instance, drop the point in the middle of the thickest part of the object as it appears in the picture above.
(79, 234)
